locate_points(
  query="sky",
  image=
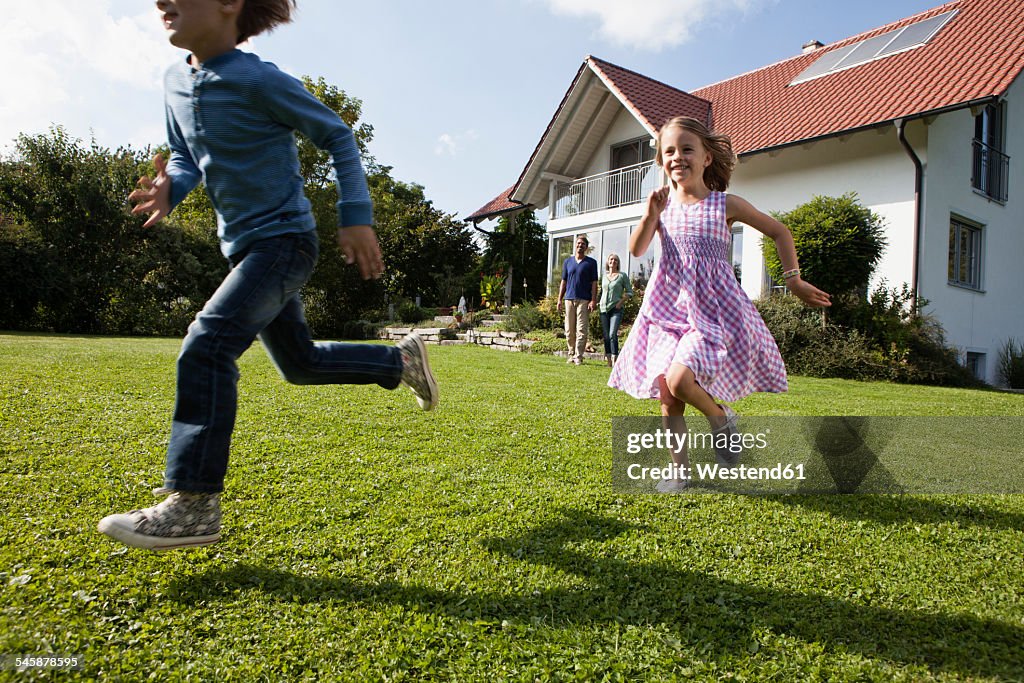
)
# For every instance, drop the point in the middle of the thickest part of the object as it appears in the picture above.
(458, 92)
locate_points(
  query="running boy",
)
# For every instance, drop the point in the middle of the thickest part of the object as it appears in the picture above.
(231, 120)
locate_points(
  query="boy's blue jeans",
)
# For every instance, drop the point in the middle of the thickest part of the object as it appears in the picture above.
(610, 322)
(259, 297)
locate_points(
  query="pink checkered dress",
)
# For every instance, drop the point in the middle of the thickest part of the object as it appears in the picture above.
(695, 314)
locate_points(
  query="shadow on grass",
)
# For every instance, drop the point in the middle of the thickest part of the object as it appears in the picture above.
(708, 613)
(895, 510)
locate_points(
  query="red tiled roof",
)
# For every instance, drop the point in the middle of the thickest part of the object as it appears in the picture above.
(499, 205)
(975, 56)
(651, 101)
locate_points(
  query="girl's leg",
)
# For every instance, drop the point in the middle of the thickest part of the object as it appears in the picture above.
(672, 419)
(682, 384)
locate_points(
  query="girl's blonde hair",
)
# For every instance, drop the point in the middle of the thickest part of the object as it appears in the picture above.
(611, 256)
(260, 16)
(723, 160)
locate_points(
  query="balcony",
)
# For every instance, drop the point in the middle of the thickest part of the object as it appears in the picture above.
(621, 187)
(991, 172)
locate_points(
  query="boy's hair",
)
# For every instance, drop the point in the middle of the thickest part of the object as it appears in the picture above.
(723, 160)
(584, 238)
(259, 16)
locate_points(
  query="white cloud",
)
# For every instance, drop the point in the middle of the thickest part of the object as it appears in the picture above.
(450, 145)
(69, 60)
(649, 24)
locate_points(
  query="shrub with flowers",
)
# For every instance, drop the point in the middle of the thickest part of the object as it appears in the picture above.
(492, 290)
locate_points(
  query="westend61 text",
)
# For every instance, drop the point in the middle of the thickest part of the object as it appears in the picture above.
(707, 472)
(666, 439)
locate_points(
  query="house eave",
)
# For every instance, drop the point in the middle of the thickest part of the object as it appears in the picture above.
(872, 126)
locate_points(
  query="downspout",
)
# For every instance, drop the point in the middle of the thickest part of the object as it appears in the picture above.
(901, 132)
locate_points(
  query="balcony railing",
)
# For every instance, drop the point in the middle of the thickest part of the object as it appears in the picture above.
(623, 186)
(991, 173)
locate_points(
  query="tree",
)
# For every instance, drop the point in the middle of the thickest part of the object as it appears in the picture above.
(425, 251)
(838, 241)
(77, 260)
(521, 250)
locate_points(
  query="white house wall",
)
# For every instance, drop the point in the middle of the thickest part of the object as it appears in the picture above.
(624, 128)
(978, 321)
(870, 163)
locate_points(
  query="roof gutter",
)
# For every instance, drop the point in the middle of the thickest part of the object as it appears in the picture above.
(901, 133)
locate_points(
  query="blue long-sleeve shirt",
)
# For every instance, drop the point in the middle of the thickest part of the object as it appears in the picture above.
(231, 123)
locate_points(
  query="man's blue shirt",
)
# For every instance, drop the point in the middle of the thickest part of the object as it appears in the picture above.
(231, 123)
(579, 277)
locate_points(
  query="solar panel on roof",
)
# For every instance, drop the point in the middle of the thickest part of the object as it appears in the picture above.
(825, 63)
(911, 36)
(917, 34)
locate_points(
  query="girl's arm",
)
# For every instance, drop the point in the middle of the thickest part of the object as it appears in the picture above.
(641, 237)
(739, 209)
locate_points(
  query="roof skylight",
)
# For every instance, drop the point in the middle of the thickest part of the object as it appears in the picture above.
(884, 45)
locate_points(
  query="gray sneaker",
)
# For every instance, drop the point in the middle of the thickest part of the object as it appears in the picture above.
(416, 371)
(673, 486)
(727, 457)
(182, 520)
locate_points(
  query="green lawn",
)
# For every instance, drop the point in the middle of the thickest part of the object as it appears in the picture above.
(366, 540)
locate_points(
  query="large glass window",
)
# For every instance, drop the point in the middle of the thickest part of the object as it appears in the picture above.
(616, 241)
(563, 250)
(964, 253)
(640, 269)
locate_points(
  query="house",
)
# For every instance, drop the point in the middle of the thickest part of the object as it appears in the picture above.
(922, 118)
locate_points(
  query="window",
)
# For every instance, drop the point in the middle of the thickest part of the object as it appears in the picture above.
(633, 158)
(964, 253)
(870, 49)
(633, 152)
(975, 364)
(615, 241)
(990, 175)
(736, 248)
(640, 269)
(562, 250)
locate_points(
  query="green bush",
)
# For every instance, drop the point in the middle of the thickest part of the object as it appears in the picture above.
(409, 312)
(1010, 367)
(525, 318)
(838, 243)
(548, 309)
(876, 339)
(546, 342)
(359, 329)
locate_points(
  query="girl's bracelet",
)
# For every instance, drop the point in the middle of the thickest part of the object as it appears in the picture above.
(789, 274)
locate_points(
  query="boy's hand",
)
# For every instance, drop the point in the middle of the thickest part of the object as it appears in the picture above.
(358, 243)
(153, 196)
